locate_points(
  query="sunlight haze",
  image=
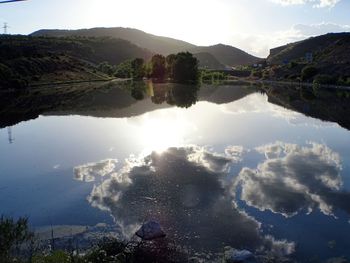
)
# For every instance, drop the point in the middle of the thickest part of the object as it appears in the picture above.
(254, 26)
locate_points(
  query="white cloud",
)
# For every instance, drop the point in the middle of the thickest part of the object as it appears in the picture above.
(316, 3)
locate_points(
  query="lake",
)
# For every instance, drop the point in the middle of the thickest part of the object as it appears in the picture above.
(258, 168)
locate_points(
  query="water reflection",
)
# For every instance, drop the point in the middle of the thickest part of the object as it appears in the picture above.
(187, 190)
(180, 95)
(294, 179)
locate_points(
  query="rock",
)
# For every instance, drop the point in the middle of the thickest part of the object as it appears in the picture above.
(150, 230)
(239, 256)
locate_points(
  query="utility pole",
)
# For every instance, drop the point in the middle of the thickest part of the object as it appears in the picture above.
(5, 27)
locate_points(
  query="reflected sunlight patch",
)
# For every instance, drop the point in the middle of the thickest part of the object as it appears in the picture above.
(163, 130)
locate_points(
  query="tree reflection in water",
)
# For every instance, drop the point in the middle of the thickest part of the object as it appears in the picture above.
(180, 95)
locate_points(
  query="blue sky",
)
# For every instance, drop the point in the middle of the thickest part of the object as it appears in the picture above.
(253, 25)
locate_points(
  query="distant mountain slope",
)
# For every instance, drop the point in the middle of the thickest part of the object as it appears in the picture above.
(330, 48)
(226, 55)
(207, 60)
(156, 44)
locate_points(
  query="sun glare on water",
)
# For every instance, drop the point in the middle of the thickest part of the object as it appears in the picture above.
(161, 132)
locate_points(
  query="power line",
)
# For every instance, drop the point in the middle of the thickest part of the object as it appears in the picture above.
(10, 1)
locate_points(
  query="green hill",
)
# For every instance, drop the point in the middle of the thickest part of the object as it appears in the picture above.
(28, 59)
(226, 55)
(327, 55)
(333, 47)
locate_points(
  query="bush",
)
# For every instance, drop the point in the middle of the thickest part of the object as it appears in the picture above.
(12, 235)
(324, 79)
(55, 257)
(292, 64)
(344, 81)
(308, 72)
(212, 76)
(256, 73)
(106, 68)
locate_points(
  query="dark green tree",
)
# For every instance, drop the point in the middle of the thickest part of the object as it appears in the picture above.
(137, 67)
(185, 68)
(170, 61)
(124, 70)
(158, 67)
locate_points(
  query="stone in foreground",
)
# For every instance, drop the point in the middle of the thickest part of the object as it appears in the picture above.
(150, 230)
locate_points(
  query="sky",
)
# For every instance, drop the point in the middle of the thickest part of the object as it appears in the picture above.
(252, 25)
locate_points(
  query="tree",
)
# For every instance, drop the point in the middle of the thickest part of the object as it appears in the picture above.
(137, 68)
(170, 61)
(185, 68)
(158, 67)
(124, 70)
(106, 68)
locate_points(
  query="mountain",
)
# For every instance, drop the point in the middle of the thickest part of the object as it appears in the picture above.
(156, 44)
(226, 55)
(207, 60)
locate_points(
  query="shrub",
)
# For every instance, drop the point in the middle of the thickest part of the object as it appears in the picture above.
(12, 235)
(292, 64)
(308, 72)
(256, 73)
(325, 79)
(212, 76)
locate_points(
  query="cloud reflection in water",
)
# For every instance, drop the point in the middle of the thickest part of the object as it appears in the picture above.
(186, 190)
(293, 179)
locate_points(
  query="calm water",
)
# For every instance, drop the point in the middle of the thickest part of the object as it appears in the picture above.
(232, 169)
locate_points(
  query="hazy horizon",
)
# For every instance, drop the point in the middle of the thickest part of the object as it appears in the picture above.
(254, 27)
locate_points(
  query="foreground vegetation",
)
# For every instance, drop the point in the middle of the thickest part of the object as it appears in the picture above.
(19, 244)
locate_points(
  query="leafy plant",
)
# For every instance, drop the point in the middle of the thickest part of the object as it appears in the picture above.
(13, 234)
